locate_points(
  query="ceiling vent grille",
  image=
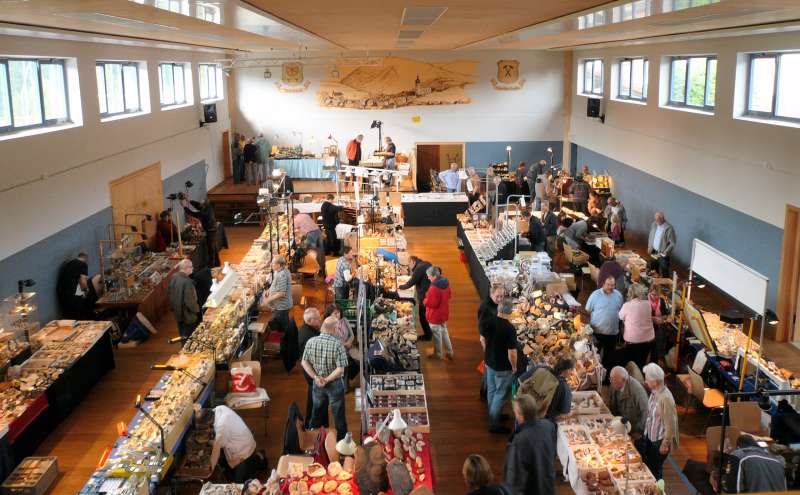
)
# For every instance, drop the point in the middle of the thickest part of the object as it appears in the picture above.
(409, 35)
(421, 16)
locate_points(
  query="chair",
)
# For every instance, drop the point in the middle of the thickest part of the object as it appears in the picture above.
(711, 398)
(239, 401)
(686, 383)
(257, 331)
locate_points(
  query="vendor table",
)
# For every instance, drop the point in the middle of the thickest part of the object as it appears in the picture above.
(302, 168)
(28, 431)
(433, 209)
(476, 269)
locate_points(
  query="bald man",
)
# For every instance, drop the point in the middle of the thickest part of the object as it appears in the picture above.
(628, 399)
(660, 244)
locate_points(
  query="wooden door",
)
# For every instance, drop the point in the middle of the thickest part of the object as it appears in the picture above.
(227, 166)
(427, 160)
(789, 287)
(137, 192)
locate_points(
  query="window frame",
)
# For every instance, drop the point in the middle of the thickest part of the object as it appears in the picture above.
(775, 93)
(45, 121)
(683, 104)
(186, 68)
(591, 93)
(645, 79)
(217, 93)
(122, 64)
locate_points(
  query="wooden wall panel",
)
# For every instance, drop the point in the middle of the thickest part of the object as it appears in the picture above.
(788, 290)
(138, 192)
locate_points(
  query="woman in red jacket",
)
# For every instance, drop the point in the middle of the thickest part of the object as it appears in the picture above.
(437, 312)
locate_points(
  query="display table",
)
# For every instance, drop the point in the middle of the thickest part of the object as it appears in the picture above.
(477, 270)
(302, 168)
(433, 209)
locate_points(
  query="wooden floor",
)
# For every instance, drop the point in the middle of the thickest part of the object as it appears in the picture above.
(458, 416)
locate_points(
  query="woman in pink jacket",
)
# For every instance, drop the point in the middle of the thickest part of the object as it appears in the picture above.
(437, 312)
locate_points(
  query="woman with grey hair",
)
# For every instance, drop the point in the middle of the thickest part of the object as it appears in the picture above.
(639, 332)
(661, 426)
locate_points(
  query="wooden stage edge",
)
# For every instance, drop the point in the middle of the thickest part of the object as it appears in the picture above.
(227, 188)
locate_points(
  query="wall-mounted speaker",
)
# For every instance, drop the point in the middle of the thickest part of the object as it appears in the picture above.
(210, 112)
(593, 107)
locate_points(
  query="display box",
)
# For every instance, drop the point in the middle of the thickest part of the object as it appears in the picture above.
(33, 476)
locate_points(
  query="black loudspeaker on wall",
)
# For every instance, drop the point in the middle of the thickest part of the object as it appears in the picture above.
(210, 112)
(593, 107)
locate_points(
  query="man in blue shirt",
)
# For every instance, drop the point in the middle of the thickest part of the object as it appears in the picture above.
(604, 305)
(451, 179)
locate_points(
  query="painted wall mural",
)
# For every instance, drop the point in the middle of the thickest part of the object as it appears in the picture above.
(398, 82)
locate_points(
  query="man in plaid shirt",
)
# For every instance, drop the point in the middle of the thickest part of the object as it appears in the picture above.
(325, 360)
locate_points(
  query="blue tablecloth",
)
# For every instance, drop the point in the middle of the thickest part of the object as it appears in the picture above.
(306, 168)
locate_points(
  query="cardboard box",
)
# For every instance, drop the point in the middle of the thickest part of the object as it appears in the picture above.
(747, 417)
(33, 476)
(713, 434)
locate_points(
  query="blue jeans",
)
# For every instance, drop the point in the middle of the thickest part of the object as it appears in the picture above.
(332, 393)
(498, 387)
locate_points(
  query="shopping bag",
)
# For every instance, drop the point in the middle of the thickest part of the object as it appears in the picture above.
(242, 380)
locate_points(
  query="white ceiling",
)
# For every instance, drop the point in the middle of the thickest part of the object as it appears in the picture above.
(260, 26)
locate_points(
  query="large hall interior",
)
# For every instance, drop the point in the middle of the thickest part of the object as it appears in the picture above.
(399, 247)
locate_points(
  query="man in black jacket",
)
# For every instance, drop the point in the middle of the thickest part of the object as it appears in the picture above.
(536, 234)
(330, 218)
(419, 279)
(550, 223)
(486, 313)
(312, 321)
(529, 467)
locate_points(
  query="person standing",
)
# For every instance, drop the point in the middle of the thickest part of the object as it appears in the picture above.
(478, 476)
(661, 426)
(251, 161)
(499, 342)
(437, 312)
(279, 297)
(183, 299)
(531, 175)
(345, 273)
(72, 287)
(550, 223)
(488, 308)
(233, 438)
(540, 185)
(238, 159)
(353, 150)
(549, 387)
(604, 305)
(390, 153)
(660, 243)
(529, 467)
(614, 207)
(637, 320)
(330, 217)
(519, 179)
(325, 360)
(451, 179)
(419, 280)
(166, 233)
(310, 329)
(579, 190)
(536, 234)
(473, 185)
(308, 228)
(204, 212)
(628, 399)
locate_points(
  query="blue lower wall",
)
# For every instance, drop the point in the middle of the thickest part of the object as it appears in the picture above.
(481, 154)
(42, 260)
(753, 242)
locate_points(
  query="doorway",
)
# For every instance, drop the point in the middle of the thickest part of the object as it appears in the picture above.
(435, 157)
(789, 288)
(138, 193)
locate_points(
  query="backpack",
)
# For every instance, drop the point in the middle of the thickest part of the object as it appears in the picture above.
(541, 385)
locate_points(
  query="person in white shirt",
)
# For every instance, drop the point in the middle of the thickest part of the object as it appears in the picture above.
(451, 178)
(234, 438)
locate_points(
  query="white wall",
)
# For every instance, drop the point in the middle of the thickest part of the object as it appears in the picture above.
(530, 114)
(59, 178)
(748, 166)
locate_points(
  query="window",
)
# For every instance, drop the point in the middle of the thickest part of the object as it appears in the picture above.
(693, 82)
(210, 82)
(173, 79)
(772, 86)
(118, 88)
(592, 83)
(632, 84)
(177, 6)
(671, 5)
(208, 12)
(33, 93)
